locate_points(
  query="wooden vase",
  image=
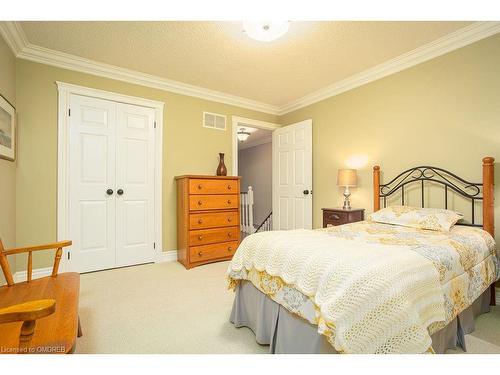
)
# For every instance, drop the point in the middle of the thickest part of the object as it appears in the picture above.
(221, 169)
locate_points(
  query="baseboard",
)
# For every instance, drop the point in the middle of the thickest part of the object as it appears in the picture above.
(497, 296)
(166, 256)
(36, 274)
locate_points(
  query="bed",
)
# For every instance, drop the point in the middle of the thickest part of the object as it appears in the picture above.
(372, 286)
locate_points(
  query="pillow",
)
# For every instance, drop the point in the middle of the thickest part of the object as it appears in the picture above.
(414, 217)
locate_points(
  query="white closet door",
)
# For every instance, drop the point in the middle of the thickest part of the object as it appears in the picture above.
(292, 176)
(91, 173)
(135, 185)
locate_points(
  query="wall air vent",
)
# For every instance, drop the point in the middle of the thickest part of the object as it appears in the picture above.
(214, 121)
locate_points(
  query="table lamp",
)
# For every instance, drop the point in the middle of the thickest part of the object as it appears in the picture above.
(347, 178)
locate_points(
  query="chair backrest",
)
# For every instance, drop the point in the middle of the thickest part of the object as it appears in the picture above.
(4, 263)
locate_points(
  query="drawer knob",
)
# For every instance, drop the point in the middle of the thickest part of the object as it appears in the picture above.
(229, 201)
(229, 219)
(199, 187)
(229, 234)
(200, 254)
(229, 249)
(199, 203)
(334, 217)
(228, 187)
(200, 238)
(200, 221)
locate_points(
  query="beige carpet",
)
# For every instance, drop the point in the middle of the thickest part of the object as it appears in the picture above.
(163, 308)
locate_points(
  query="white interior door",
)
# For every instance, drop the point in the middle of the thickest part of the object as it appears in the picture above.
(135, 185)
(292, 176)
(111, 184)
(92, 173)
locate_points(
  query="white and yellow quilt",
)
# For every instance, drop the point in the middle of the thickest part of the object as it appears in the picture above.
(370, 287)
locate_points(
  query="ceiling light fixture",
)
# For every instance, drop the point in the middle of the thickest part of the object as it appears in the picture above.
(242, 135)
(265, 31)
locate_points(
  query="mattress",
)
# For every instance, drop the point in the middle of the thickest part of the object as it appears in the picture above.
(465, 262)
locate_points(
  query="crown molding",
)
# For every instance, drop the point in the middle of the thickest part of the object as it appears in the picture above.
(448, 43)
(14, 36)
(16, 39)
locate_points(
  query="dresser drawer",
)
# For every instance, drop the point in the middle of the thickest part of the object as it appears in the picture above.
(335, 218)
(207, 236)
(214, 251)
(206, 186)
(213, 202)
(214, 219)
(338, 216)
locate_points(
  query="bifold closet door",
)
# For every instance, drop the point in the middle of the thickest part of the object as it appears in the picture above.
(92, 181)
(111, 184)
(135, 185)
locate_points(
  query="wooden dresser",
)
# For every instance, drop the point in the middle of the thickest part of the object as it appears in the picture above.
(208, 218)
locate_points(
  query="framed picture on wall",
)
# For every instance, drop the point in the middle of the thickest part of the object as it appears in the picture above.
(7, 130)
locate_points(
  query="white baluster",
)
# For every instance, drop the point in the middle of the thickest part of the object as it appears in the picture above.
(251, 228)
(248, 216)
(241, 211)
(245, 213)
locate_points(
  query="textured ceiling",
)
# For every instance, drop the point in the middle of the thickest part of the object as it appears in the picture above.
(219, 56)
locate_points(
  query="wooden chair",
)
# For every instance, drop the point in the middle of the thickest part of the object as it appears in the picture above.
(39, 316)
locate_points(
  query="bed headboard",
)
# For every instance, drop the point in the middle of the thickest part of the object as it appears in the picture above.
(474, 191)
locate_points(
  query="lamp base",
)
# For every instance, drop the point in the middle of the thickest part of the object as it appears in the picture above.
(347, 202)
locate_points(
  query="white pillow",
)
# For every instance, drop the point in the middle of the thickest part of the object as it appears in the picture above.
(414, 217)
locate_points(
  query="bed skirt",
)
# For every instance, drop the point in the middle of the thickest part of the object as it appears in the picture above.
(286, 332)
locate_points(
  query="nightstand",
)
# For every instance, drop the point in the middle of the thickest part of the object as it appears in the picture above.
(339, 216)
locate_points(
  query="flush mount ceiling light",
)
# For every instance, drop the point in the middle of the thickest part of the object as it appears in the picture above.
(265, 31)
(242, 135)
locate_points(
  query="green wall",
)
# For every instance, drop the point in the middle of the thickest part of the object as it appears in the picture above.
(188, 147)
(444, 112)
(7, 168)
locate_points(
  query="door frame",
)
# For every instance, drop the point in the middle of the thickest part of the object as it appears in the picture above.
(251, 123)
(65, 90)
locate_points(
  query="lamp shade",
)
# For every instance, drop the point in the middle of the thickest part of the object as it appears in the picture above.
(347, 177)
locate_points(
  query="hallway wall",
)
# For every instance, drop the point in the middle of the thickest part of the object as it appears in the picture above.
(255, 169)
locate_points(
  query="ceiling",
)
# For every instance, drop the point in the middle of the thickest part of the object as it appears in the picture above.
(256, 137)
(219, 56)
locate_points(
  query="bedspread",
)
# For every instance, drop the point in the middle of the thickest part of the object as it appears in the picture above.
(369, 287)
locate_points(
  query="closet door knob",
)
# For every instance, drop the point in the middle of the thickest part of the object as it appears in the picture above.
(109, 191)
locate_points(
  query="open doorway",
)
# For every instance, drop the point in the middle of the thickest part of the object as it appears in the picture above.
(252, 146)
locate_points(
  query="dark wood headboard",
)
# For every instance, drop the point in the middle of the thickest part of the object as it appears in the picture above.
(474, 191)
